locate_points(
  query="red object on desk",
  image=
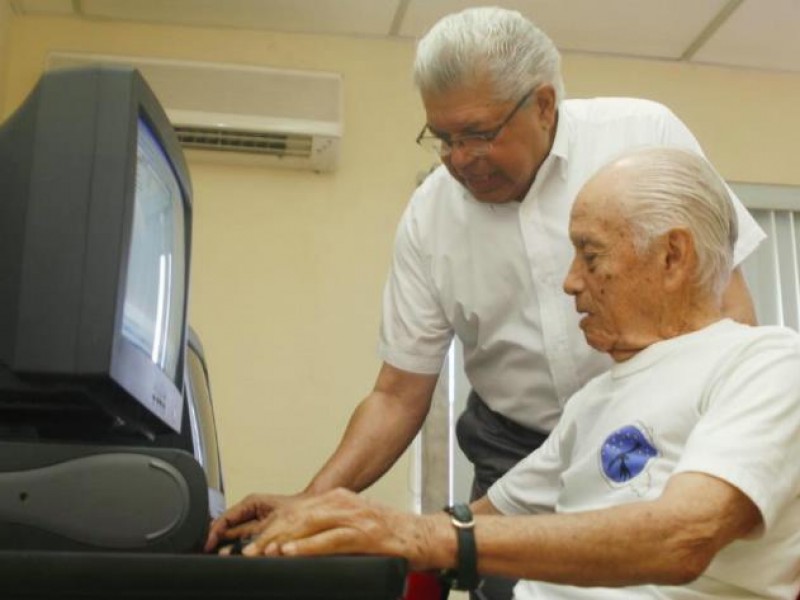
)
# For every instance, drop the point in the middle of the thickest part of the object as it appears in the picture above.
(422, 586)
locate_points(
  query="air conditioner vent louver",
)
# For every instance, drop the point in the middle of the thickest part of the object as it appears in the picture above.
(241, 114)
(273, 144)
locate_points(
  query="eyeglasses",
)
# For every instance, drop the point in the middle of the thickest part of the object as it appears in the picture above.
(478, 143)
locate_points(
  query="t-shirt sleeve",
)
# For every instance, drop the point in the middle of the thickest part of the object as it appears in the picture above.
(676, 133)
(749, 429)
(532, 486)
(415, 334)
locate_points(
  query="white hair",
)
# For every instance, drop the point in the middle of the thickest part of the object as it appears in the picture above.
(671, 188)
(490, 42)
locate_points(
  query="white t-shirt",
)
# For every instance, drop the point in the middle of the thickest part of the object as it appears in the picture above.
(724, 401)
(493, 273)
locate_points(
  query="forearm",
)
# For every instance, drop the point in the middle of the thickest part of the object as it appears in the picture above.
(622, 546)
(604, 548)
(380, 430)
(377, 434)
(669, 541)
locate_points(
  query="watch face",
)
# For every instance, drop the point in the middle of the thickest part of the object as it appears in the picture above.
(460, 512)
(626, 453)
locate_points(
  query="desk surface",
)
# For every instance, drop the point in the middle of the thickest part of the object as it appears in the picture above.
(95, 575)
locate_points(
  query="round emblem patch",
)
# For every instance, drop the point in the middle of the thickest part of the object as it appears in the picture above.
(625, 454)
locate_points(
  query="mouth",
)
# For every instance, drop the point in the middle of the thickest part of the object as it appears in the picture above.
(481, 183)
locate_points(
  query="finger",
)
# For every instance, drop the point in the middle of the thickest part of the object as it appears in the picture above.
(240, 513)
(275, 530)
(307, 522)
(297, 521)
(212, 541)
(225, 550)
(245, 531)
(305, 517)
(331, 541)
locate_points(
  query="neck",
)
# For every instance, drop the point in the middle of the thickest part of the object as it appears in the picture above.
(678, 319)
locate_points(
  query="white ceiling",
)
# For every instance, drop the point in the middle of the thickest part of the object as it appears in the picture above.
(763, 34)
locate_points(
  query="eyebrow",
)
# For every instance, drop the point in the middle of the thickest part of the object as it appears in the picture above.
(469, 128)
(581, 241)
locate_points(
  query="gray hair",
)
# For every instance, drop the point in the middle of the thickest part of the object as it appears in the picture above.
(672, 188)
(502, 44)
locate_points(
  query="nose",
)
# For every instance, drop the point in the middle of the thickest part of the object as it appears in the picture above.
(460, 156)
(573, 282)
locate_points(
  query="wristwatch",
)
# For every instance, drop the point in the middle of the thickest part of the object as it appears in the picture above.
(465, 575)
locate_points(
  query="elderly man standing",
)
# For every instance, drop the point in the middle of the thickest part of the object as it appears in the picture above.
(673, 475)
(482, 249)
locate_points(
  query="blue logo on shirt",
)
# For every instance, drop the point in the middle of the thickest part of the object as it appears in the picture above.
(625, 453)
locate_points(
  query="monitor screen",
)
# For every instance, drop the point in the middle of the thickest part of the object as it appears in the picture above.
(154, 291)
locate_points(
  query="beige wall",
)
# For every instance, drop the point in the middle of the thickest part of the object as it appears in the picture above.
(5, 27)
(288, 266)
(745, 120)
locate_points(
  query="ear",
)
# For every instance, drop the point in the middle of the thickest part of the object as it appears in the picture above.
(546, 104)
(679, 259)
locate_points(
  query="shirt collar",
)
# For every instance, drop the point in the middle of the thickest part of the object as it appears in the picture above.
(657, 351)
(556, 160)
(561, 141)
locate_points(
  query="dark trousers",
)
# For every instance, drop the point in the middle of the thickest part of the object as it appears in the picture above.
(493, 444)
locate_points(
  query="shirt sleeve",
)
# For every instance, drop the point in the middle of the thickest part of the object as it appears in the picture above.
(532, 486)
(676, 133)
(415, 334)
(749, 429)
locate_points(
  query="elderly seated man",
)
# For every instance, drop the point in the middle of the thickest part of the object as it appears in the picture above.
(676, 474)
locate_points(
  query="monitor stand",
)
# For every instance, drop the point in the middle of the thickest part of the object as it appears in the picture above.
(82, 497)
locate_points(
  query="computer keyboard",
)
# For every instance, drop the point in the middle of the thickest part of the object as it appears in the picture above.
(37, 575)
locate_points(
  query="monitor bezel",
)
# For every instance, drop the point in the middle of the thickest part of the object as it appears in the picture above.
(159, 394)
(156, 391)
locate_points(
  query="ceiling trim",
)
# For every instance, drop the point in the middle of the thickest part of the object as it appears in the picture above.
(710, 29)
(399, 16)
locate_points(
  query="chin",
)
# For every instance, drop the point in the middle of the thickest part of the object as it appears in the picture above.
(598, 342)
(500, 195)
(597, 345)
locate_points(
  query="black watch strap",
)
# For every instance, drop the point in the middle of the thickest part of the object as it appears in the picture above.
(465, 575)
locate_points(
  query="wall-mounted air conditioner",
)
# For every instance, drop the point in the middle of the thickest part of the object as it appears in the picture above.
(241, 113)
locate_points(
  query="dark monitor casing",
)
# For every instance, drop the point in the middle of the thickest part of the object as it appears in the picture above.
(200, 424)
(198, 434)
(67, 175)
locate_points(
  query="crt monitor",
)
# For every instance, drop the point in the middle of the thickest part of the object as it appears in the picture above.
(95, 230)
